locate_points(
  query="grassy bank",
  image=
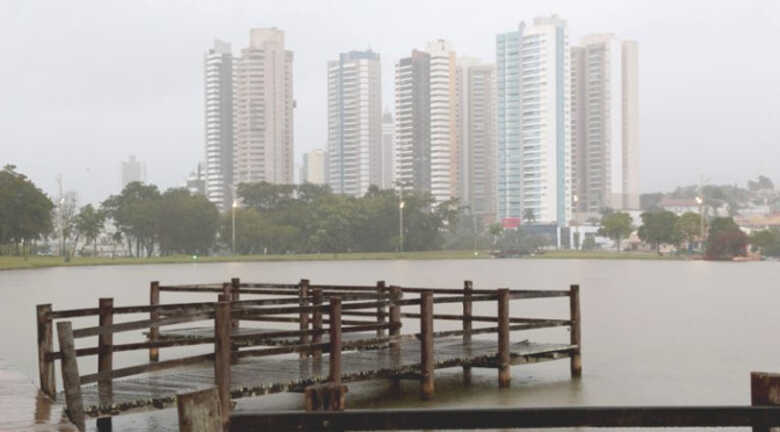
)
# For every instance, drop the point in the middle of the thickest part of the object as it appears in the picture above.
(10, 263)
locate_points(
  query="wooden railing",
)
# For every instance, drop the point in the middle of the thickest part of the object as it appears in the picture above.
(311, 306)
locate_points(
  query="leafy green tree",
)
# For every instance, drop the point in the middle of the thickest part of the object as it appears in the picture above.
(135, 214)
(766, 241)
(659, 228)
(186, 223)
(689, 227)
(616, 226)
(725, 240)
(529, 216)
(518, 242)
(495, 230)
(89, 224)
(25, 211)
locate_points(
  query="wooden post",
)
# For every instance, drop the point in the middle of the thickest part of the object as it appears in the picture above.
(426, 345)
(70, 375)
(222, 357)
(235, 294)
(764, 391)
(504, 373)
(45, 346)
(395, 314)
(381, 311)
(105, 342)
(317, 324)
(303, 295)
(154, 331)
(576, 331)
(334, 328)
(200, 411)
(467, 311)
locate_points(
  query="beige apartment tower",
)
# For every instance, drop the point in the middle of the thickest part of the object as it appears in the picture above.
(263, 110)
(605, 123)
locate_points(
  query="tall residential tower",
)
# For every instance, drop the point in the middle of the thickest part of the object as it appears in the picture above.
(354, 122)
(263, 110)
(534, 134)
(218, 68)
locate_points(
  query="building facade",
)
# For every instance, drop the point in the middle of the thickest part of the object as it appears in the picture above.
(476, 125)
(605, 127)
(443, 121)
(354, 122)
(218, 74)
(263, 110)
(132, 170)
(534, 142)
(315, 167)
(388, 150)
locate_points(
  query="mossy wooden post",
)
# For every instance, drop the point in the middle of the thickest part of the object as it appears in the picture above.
(395, 333)
(317, 326)
(154, 314)
(764, 391)
(200, 411)
(70, 375)
(504, 372)
(467, 311)
(334, 332)
(329, 396)
(222, 357)
(235, 294)
(303, 296)
(46, 345)
(576, 331)
(381, 311)
(105, 354)
(426, 345)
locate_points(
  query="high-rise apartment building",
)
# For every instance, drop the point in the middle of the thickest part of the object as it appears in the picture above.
(605, 127)
(218, 73)
(476, 125)
(354, 122)
(132, 171)
(315, 167)
(534, 134)
(426, 121)
(388, 150)
(263, 110)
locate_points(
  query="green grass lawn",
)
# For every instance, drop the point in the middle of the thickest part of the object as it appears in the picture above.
(11, 262)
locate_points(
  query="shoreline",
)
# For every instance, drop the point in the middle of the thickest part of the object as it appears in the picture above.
(39, 262)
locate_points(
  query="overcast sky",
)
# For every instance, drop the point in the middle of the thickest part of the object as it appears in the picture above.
(84, 84)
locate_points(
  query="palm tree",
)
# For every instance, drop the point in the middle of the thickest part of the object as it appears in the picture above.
(528, 216)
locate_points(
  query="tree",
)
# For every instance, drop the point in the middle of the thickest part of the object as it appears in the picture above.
(135, 214)
(725, 240)
(25, 211)
(528, 216)
(659, 228)
(616, 226)
(186, 223)
(89, 224)
(689, 227)
(767, 241)
(495, 230)
(761, 183)
(516, 242)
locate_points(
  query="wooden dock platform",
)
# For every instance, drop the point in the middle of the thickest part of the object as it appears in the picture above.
(344, 333)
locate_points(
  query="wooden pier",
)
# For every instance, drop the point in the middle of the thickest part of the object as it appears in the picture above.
(345, 333)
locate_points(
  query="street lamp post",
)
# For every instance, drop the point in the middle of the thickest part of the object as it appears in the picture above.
(700, 201)
(235, 204)
(401, 225)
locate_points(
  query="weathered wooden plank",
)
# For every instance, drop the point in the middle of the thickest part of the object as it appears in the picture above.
(222, 357)
(48, 382)
(105, 342)
(154, 315)
(576, 330)
(70, 375)
(764, 391)
(504, 374)
(426, 345)
(200, 411)
(137, 325)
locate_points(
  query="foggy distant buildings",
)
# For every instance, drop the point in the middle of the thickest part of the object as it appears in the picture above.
(132, 171)
(354, 122)
(315, 167)
(218, 64)
(605, 128)
(388, 150)
(476, 128)
(426, 153)
(196, 181)
(534, 122)
(263, 110)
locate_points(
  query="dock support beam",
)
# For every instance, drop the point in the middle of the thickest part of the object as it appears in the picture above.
(222, 357)
(105, 359)
(330, 396)
(395, 332)
(303, 297)
(235, 295)
(70, 375)
(381, 311)
(468, 286)
(334, 329)
(154, 331)
(46, 345)
(200, 411)
(316, 323)
(576, 331)
(504, 372)
(764, 391)
(426, 348)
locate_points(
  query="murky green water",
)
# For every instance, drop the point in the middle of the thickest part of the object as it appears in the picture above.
(654, 333)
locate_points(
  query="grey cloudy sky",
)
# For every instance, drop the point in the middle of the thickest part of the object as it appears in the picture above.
(83, 84)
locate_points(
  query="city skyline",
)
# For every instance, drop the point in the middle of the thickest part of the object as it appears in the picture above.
(169, 147)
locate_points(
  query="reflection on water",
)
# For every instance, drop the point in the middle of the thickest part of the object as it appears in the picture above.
(654, 333)
(19, 398)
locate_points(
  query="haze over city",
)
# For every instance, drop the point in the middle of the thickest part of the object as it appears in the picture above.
(87, 84)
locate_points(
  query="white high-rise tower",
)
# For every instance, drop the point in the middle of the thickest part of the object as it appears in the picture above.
(218, 71)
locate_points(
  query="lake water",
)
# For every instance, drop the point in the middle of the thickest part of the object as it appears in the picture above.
(654, 332)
